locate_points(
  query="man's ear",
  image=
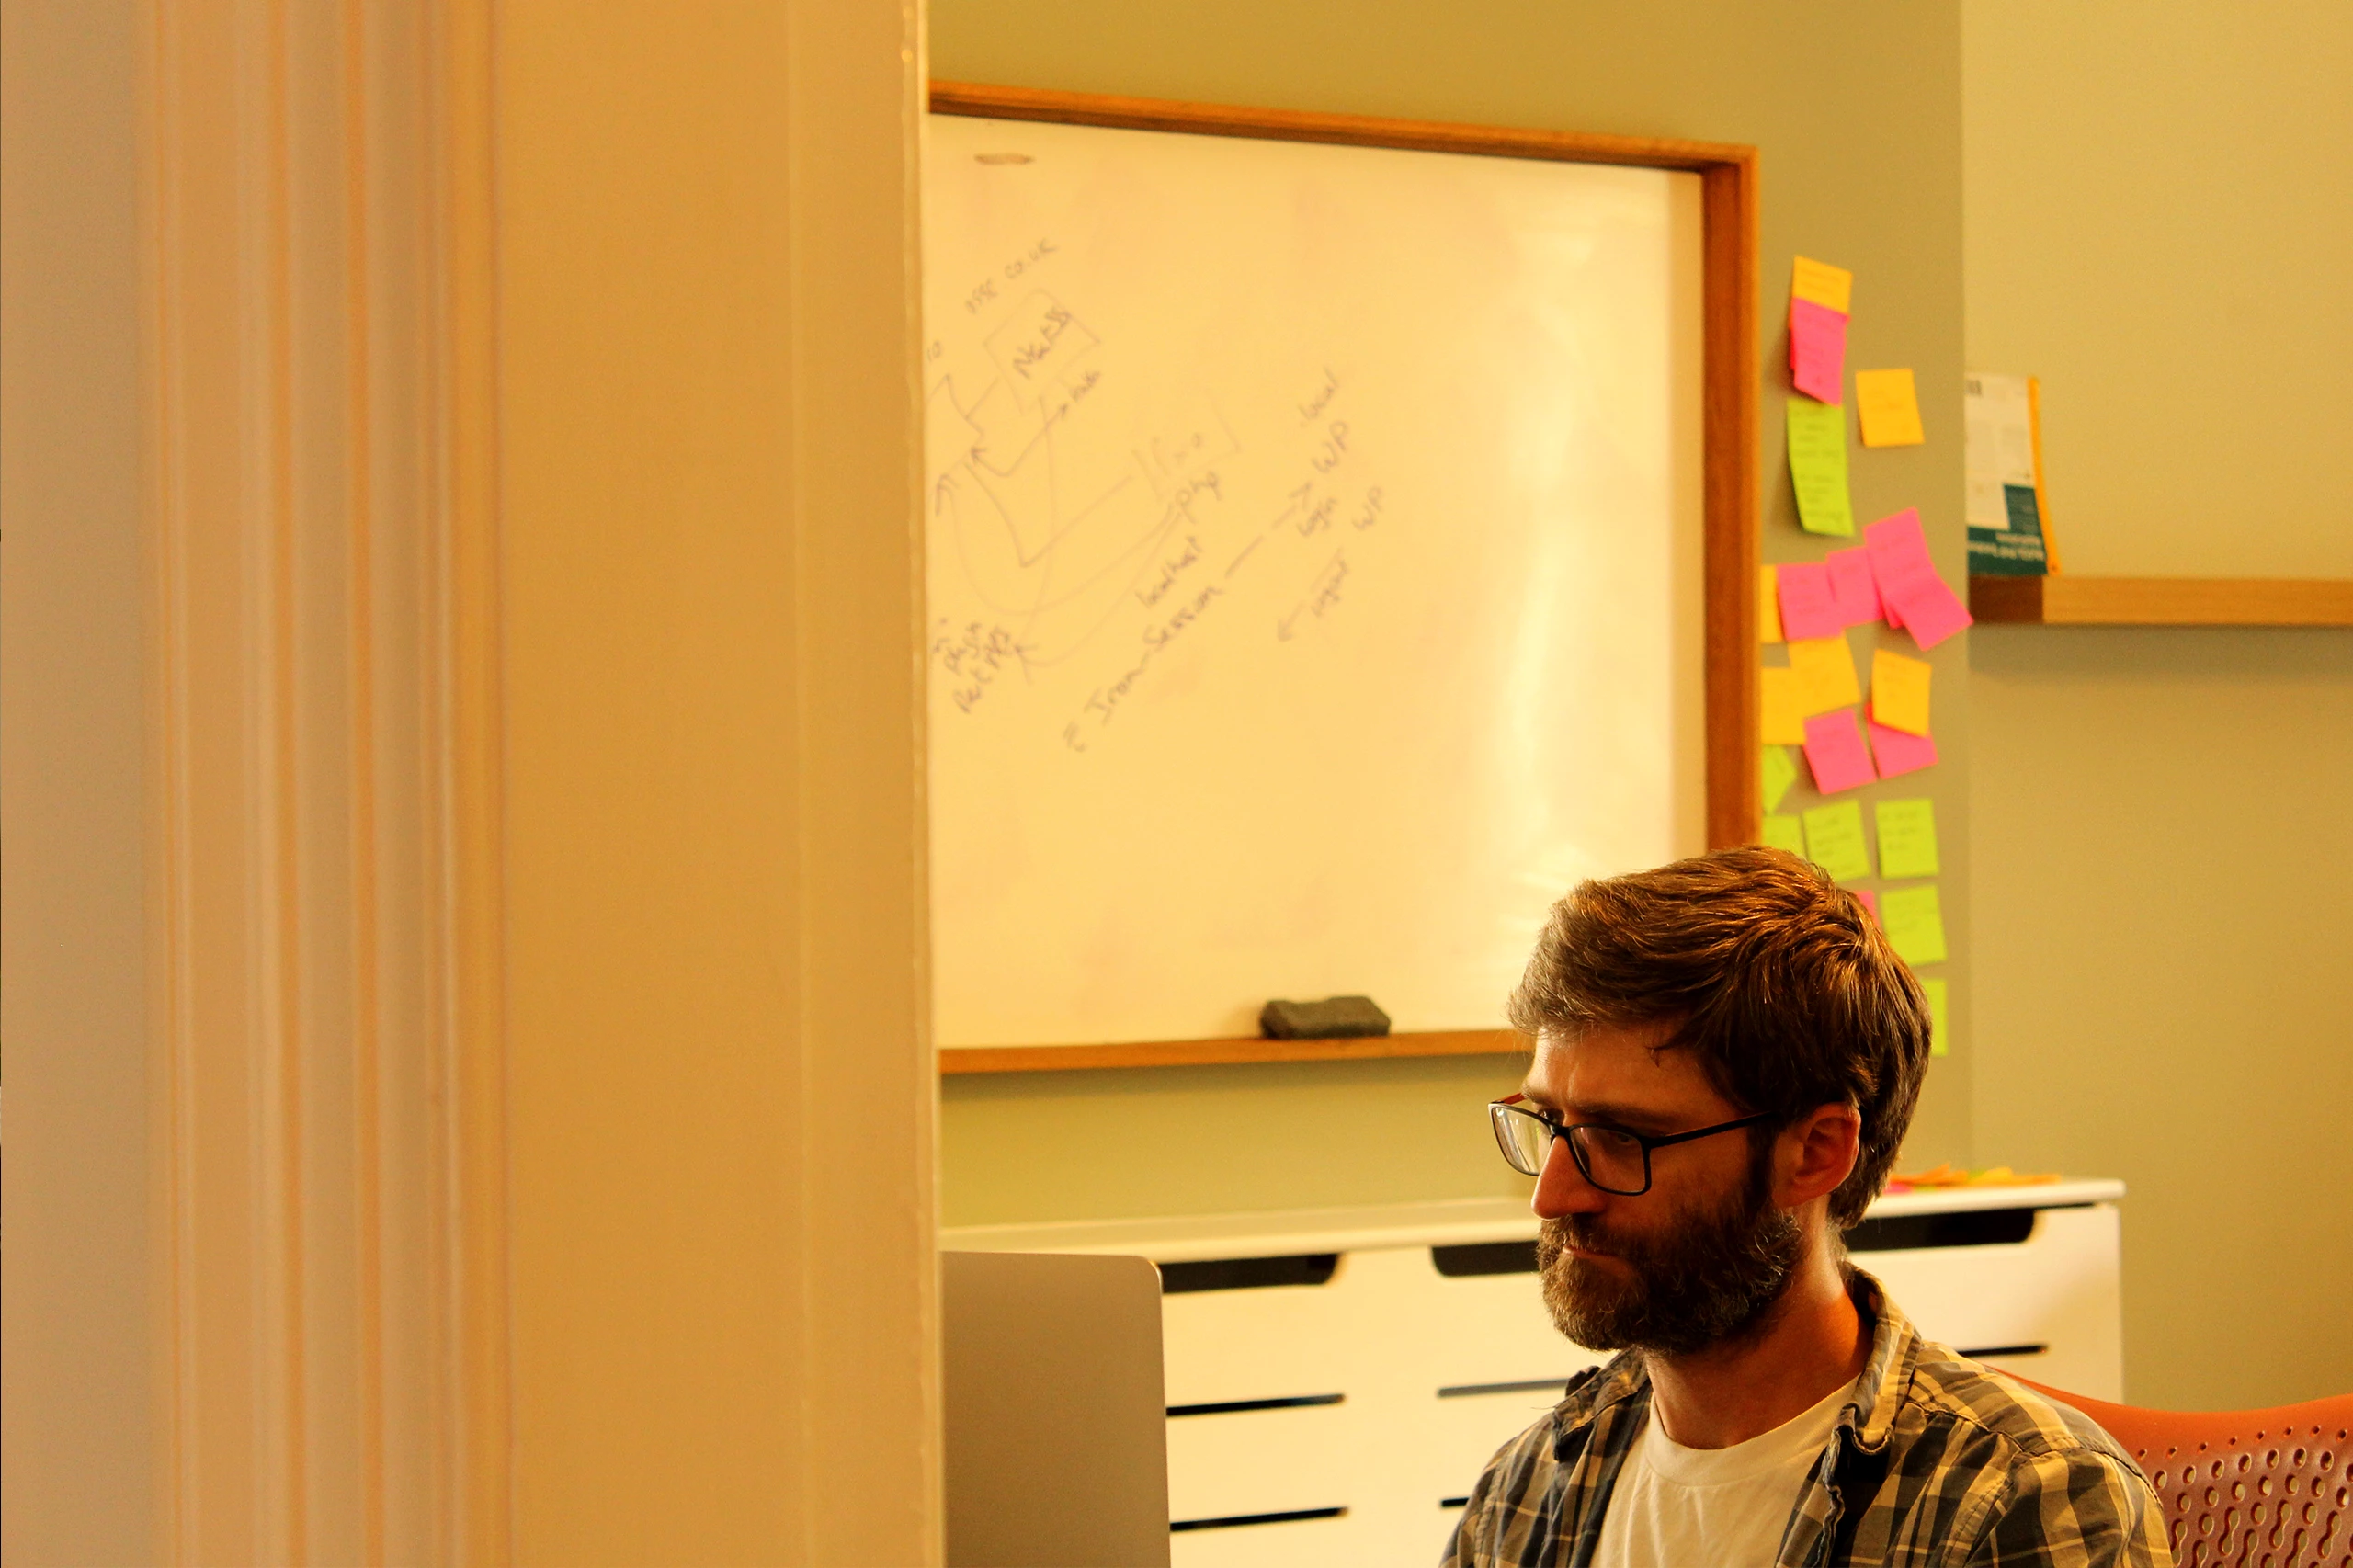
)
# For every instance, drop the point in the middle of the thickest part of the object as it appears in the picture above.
(1815, 1153)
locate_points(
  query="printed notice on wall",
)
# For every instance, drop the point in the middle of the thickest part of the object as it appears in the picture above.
(2004, 505)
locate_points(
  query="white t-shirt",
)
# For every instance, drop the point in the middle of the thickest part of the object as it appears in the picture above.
(1678, 1507)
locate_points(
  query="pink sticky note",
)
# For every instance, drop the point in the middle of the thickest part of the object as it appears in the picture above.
(1909, 583)
(1897, 752)
(1833, 750)
(1870, 900)
(1817, 350)
(1853, 586)
(1809, 606)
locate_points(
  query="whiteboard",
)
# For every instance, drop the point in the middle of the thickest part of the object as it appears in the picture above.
(1313, 544)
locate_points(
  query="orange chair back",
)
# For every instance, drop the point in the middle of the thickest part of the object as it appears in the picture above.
(2244, 1488)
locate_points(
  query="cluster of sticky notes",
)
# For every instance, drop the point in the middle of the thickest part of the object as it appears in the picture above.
(1835, 753)
(1887, 403)
(1913, 593)
(1831, 836)
(1822, 598)
(1810, 703)
(1811, 605)
(1816, 702)
(1820, 296)
(1888, 577)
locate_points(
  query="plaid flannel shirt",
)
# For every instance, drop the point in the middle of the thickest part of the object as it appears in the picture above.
(1951, 1464)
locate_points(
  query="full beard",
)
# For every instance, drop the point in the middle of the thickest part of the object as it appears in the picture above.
(1712, 1280)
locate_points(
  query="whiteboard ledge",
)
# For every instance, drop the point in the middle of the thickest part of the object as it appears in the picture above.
(1220, 1052)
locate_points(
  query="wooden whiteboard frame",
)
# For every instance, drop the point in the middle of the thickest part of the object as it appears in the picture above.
(1729, 498)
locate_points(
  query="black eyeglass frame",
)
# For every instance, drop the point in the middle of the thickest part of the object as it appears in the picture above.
(1511, 1105)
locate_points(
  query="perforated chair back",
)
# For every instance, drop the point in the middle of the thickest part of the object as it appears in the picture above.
(2244, 1488)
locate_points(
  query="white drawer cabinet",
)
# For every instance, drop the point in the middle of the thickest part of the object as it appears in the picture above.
(1342, 1420)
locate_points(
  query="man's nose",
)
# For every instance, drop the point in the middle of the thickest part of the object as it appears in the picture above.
(1562, 1190)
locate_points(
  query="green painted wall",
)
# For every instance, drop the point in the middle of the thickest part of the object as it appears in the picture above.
(1855, 110)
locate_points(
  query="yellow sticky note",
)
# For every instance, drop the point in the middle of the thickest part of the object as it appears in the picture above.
(1829, 286)
(1818, 467)
(1825, 674)
(1768, 607)
(1889, 407)
(1915, 924)
(1834, 840)
(1783, 724)
(1900, 692)
(1907, 837)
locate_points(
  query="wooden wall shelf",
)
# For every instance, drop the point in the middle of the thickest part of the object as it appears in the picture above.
(1214, 1052)
(2162, 601)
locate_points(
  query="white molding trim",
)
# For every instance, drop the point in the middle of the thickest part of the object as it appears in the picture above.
(319, 1261)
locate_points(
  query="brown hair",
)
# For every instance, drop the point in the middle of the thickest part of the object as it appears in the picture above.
(1780, 983)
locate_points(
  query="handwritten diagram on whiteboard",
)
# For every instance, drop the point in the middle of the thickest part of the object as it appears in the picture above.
(1314, 550)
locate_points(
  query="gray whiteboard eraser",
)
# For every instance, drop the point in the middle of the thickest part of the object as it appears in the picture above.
(1335, 1017)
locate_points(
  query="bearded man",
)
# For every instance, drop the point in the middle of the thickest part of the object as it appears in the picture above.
(1727, 1055)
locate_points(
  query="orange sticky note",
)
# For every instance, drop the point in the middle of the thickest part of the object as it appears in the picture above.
(1825, 674)
(1768, 607)
(1782, 724)
(1889, 406)
(1900, 692)
(1828, 286)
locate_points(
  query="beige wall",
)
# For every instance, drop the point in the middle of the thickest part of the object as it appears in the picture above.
(2158, 216)
(2158, 212)
(2165, 874)
(79, 1396)
(1855, 110)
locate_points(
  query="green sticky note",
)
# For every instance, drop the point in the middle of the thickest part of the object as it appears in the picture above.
(1785, 833)
(1780, 774)
(1915, 923)
(1908, 838)
(1939, 1041)
(1834, 840)
(1818, 466)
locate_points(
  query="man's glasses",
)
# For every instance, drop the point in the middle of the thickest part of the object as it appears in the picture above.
(1611, 1158)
